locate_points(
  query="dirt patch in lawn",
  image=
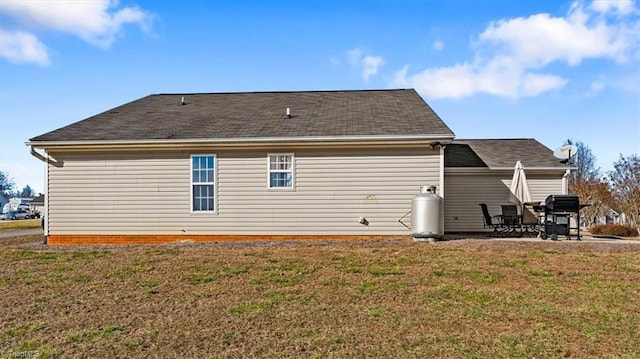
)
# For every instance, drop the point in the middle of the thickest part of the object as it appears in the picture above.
(463, 298)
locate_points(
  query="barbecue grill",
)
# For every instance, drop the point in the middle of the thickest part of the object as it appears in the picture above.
(558, 211)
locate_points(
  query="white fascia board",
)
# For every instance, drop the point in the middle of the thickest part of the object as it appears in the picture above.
(535, 168)
(486, 170)
(250, 142)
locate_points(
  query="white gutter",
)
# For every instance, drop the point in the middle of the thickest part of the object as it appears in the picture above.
(531, 168)
(487, 170)
(245, 141)
(45, 158)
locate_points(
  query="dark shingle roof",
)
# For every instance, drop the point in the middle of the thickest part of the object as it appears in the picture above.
(460, 155)
(500, 153)
(259, 115)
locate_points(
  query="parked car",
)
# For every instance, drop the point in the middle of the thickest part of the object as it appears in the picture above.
(17, 214)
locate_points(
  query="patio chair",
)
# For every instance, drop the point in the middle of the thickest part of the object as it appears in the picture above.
(530, 218)
(489, 221)
(511, 219)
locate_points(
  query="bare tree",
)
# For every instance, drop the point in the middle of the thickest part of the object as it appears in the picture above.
(625, 183)
(585, 163)
(587, 182)
(598, 195)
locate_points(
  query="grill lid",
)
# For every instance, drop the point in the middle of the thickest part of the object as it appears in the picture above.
(563, 203)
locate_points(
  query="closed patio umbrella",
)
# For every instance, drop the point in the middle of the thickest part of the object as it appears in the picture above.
(520, 192)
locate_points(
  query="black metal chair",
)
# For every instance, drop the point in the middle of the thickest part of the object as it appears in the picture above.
(530, 218)
(489, 221)
(511, 220)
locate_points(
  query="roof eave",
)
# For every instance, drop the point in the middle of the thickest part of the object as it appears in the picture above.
(487, 170)
(534, 168)
(249, 142)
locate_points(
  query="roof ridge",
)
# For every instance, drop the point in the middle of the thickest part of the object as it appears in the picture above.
(496, 139)
(278, 92)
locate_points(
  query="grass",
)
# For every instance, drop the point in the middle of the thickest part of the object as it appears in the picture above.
(459, 299)
(20, 224)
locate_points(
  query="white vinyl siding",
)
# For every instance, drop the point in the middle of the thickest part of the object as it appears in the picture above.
(149, 192)
(465, 190)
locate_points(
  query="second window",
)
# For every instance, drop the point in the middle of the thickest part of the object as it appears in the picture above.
(281, 170)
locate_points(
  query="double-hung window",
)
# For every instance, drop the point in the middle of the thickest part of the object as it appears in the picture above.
(281, 171)
(203, 183)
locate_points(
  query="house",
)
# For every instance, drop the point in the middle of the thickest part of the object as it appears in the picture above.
(37, 204)
(267, 165)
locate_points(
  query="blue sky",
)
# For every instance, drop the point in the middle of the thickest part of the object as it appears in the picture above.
(549, 70)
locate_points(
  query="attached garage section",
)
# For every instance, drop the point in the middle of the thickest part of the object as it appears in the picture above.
(466, 188)
(480, 171)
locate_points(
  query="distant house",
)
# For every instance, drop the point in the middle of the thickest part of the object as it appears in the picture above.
(37, 203)
(270, 165)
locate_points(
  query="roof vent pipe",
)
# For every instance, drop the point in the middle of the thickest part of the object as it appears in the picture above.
(288, 112)
(182, 101)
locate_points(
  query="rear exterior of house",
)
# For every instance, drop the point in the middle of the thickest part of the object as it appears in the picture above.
(290, 165)
(133, 197)
(270, 166)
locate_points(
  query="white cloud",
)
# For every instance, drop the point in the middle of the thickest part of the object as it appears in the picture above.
(595, 87)
(621, 7)
(370, 66)
(510, 53)
(22, 47)
(535, 84)
(97, 22)
(465, 80)
(438, 45)
(361, 61)
(541, 39)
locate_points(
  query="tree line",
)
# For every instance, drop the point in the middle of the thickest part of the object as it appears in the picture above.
(9, 189)
(618, 189)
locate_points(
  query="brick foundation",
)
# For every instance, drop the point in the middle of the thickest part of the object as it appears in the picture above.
(133, 239)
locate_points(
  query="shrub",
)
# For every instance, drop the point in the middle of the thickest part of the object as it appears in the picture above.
(620, 230)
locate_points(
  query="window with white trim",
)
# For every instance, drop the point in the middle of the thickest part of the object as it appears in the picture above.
(281, 170)
(203, 183)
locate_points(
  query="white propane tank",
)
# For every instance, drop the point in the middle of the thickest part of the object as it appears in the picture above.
(426, 215)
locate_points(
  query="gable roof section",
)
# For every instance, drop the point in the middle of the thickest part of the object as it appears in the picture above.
(500, 154)
(461, 155)
(260, 115)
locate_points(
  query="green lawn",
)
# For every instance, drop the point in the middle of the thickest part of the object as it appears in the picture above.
(20, 224)
(460, 299)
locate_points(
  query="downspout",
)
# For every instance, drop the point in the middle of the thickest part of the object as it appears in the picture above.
(442, 194)
(565, 182)
(48, 160)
